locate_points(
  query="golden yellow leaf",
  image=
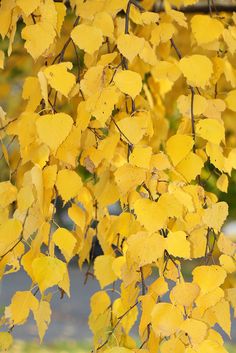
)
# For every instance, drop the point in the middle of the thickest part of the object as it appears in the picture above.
(195, 329)
(104, 21)
(209, 278)
(210, 346)
(166, 319)
(184, 293)
(68, 184)
(148, 55)
(222, 313)
(19, 309)
(150, 214)
(230, 100)
(6, 341)
(53, 129)
(132, 129)
(199, 23)
(103, 270)
(178, 245)
(228, 263)
(128, 82)
(128, 177)
(222, 183)
(78, 215)
(141, 156)
(89, 38)
(190, 167)
(10, 232)
(178, 146)
(28, 6)
(130, 45)
(226, 245)
(144, 248)
(38, 38)
(215, 215)
(42, 317)
(197, 69)
(207, 300)
(25, 198)
(48, 271)
(59, 78)
(66, 242)
(173, 345)
(162, 33)
(211, 130)
(8, 193)
(2, 59)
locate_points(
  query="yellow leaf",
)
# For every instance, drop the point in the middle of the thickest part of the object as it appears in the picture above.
(195, 329)
(78, 216)
(190, 167)
(199, 23)
(88, 38)
(173, 345)
(158, 288)
(28, 6)
(226, 245)
(144, 248)
(178, 146)
(215, 215)
(128, 177)
(68, 184)
(103, 270)
(65, 241)
(232, 158)
(128, 82)
(101, 104)
(150, 214)
(211, 130)
(25, 198)
(148, 55)
(141, 156)
(53, 129)
(48, 271)
(2, 59)
(209, 278)
(162, 33)
(38, 38)
(228, 263)
(8, 193)
(211, 347)
(230, 100)
(104, 21)
(130, 45)
(132, 129)
(184, 293)
(222, 313)
(178, 245)
(59, 78)
(209, 299)
(10, 232)
(222, 183)
(166, 319)
(6, 341)
(197, 69)
(42, 317)
(19, 309)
